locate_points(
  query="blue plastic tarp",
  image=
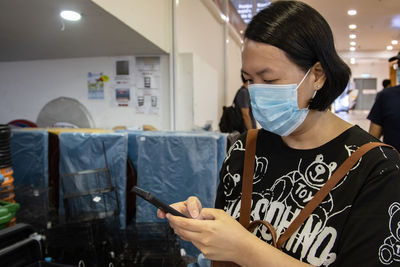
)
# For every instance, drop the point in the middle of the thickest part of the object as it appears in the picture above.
(174, 166)
(29, 150)
(84, 151)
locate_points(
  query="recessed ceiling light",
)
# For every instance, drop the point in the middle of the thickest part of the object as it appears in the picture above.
(352, 48)
(352, 26)
(352, 60)
(396, 22)
(389, 47)
(352, 36)
(70, 15)
(224, 17)
(352, 43)
(395, 42)
(352, 12)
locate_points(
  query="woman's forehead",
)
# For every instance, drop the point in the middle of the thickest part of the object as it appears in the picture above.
(259, 57)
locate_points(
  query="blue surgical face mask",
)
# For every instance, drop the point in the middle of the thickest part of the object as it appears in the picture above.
(275, 107)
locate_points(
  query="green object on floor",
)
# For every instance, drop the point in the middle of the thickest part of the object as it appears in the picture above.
(7, 212)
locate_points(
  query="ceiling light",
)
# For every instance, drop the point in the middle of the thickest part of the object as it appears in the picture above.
(352, 43)
(352, 26)
(396, 22)
(352, 60)
(352, 36)
(395, 42)
(352, 48)
(352, 12)
(389, 47)
(70, 15)
(226, 18)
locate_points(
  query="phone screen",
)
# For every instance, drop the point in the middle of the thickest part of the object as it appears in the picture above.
(156, 202)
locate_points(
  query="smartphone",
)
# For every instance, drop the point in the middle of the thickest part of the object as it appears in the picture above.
(156, 202)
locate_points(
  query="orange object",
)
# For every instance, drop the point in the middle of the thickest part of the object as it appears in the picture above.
(9, 198)
(6, 188)
(7, 171)
(7, 181)
(12, 222)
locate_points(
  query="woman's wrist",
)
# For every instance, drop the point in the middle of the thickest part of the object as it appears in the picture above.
(244, 249)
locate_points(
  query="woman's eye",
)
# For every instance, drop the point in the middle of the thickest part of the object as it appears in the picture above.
(269, 81)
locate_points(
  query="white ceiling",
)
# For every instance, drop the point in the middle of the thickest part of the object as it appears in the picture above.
(374, 25)
(33, 29)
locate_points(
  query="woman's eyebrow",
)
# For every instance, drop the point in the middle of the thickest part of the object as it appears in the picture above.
(259, 73)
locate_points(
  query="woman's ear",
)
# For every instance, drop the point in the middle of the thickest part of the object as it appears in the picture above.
(319, 76)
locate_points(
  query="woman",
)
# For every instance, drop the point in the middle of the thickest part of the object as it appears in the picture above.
(295, 74)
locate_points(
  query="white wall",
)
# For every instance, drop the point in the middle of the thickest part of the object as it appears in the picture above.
(200, 32)
(184, 93)
(150, 18)
(26, 86)
(377, 68)
(234, 66)
(205, 98)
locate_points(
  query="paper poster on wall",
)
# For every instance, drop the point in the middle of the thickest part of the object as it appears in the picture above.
(140, 101)
(147, 81)
(154, 102)
(122, 70)
(122, 96)
(122, 88)
(147, 101)
(95, 85)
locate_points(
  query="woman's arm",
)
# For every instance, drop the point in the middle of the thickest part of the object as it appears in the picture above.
(220, 237)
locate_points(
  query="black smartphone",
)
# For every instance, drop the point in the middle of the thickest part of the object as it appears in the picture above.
(156, 202)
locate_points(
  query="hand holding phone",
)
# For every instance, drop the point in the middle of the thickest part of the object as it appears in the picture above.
(156, 202)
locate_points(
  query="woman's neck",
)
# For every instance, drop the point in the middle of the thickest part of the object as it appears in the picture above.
(319, 128)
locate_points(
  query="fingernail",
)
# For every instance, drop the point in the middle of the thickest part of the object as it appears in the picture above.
(194, 213)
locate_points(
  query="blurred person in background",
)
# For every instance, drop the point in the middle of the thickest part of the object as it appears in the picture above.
(385, 115)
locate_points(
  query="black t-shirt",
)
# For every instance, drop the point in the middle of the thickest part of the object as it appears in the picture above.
(242, 100)
(386, 113)
(358, 224)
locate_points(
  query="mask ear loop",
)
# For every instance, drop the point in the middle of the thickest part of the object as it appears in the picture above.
(305, 76)
(312, 98)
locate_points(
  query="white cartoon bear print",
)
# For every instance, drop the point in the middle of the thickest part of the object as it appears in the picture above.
(390, 249)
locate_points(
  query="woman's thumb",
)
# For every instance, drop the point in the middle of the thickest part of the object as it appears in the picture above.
(209, 214)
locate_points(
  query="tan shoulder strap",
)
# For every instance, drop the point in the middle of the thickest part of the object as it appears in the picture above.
(324, 191)
(247, 188)
(247, 178)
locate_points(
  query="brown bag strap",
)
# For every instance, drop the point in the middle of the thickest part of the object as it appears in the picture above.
(324, 191)
(269, 226)
(247, 178)
(247, 188)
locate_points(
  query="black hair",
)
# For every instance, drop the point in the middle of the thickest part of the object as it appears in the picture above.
(306, 38)
(386, 83)
(243, 79)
